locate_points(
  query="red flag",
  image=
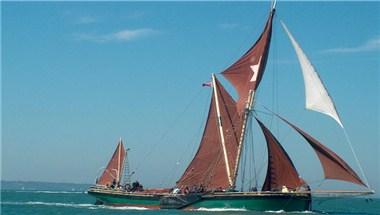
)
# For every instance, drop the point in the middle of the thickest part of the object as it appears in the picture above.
(207, 84)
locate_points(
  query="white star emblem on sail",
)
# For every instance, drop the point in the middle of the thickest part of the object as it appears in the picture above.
(255, 70)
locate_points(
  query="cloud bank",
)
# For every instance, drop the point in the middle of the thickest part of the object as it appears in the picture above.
(125, 35)
(370, 45)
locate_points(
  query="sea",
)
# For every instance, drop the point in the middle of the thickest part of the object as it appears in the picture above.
(39, 198)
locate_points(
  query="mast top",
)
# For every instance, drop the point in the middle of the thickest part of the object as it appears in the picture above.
(274, 4)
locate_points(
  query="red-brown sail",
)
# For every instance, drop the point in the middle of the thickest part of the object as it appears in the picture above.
(246, 73)
(208, 167)
(334, 167)
(281, 171)
(114, 169)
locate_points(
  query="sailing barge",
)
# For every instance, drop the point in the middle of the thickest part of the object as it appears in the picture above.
(210, 179)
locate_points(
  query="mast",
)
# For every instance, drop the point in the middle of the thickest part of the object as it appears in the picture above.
(242, 136)
(219, 119)
(118, 163)
(245, 75)
(126, 169)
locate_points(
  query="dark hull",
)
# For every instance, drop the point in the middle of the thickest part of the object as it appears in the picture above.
(255, 201)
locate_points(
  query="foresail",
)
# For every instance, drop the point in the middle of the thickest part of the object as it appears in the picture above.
(208, 167)
(334, 167)
(281, 171)
(317, 97)
(246, 73)
(114, 169)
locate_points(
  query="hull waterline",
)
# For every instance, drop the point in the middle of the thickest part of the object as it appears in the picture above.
(255, 201)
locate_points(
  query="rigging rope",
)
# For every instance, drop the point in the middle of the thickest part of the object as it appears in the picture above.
(182, 156)
(356, 157)
(242, 166)
(165, 133)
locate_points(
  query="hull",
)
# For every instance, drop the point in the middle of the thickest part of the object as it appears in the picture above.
(122, 198)
(255, 201)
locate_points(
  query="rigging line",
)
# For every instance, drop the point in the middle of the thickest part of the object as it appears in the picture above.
(212, 167)
(353, 152)
(182, 156)
(253, 154)
(241, 49)
(188, 147)
(319, 181)
(356, 157)
(193, 149)
(274, 74)
(277, 76)
(165, 133)
(249, 155)
(320, 184)
(250, 152)
(242, 166)
(263, 112)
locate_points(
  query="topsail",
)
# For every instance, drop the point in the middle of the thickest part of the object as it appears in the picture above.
(317, 97)
(246, 73)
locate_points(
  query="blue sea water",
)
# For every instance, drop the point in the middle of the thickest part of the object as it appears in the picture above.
(32, 198)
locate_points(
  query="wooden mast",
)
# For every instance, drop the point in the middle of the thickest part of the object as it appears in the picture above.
(242, 136)
(118, 162)
(247, 111)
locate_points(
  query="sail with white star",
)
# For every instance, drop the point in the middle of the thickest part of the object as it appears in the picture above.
(246, 73)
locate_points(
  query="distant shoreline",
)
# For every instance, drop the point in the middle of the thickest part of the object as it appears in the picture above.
(46, 182)
(42, 186)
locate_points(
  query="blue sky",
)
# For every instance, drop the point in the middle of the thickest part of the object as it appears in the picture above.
(77, 76)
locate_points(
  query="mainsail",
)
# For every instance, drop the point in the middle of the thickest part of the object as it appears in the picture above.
(334, 167)
(114, 169)
(317, 97)
(246, 73)
(280, 171)
(209, 167)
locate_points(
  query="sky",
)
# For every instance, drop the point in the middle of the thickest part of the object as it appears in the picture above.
(78, 76)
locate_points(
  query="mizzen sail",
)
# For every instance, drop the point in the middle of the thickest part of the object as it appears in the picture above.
(246, 73)
(114, 169)
(280, 171)
(209, 167)
(334, 167)
(317, 96)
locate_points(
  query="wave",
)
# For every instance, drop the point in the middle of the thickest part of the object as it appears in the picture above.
(219, 209)
(50, 192)
(89, 206)
(123, 207)
(293, 212)
(48, 204)
(276, 212)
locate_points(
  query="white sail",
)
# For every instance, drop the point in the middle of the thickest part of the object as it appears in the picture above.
(317, 97)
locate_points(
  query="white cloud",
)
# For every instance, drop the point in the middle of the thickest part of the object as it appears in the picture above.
(370, 45)
(125, 35)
